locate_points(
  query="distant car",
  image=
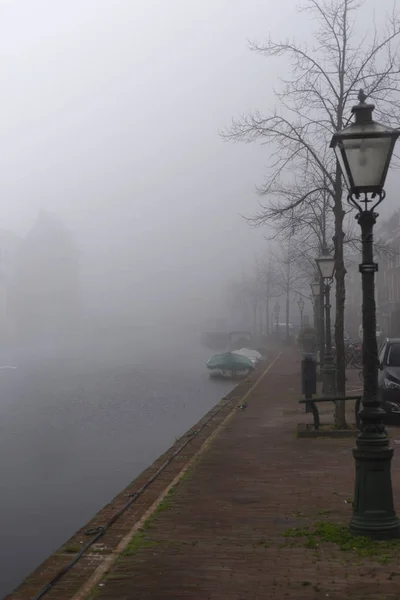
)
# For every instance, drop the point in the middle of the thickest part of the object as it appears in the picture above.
(389, 378)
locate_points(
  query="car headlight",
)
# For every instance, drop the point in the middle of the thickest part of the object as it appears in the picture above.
(391, 385)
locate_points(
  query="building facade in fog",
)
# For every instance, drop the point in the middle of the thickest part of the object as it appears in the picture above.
(388, 277)
(387, 287)
(47, 286)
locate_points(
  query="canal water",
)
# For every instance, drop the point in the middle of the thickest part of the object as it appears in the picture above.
(75, 430)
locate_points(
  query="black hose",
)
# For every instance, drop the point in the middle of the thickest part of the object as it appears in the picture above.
(98, 532)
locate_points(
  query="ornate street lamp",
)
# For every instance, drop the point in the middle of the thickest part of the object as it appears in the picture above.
(300, 304)
(326, 267)
(315, 288)
(364, 150)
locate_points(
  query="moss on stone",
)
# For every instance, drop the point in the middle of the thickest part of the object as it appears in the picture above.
(326, 532)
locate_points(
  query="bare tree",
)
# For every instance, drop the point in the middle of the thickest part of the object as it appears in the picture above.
(237, 301)
(275, 275)
(316, 102)
(246, 297)
(269, 278)
(289, 277)
(261, 287)
(254, 290)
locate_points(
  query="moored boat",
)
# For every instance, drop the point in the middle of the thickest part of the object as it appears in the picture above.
(229, 365)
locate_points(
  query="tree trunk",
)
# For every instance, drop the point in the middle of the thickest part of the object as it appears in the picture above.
(289, 281)
(340, 412)
(315, 318)
(321, 326)
(287, 313)
(267, 313)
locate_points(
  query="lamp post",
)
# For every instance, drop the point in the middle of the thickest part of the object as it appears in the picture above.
(300, 304)
(326, 267)
(363, 150)
(315, 291)
(277, 311)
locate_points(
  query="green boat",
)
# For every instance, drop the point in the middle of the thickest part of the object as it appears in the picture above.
(229, 365)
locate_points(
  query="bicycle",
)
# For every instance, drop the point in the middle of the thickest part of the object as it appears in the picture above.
(353, 356)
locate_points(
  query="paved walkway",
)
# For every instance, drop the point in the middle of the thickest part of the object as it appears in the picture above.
(225, 531)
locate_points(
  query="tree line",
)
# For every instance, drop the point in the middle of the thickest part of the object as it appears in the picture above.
(303, 197)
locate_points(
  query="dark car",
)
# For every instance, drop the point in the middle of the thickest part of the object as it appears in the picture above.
(389, 378)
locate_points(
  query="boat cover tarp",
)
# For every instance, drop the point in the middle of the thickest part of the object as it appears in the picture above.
(229, 361)
(253, 355)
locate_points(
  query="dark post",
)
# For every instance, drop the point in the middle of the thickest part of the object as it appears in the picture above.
(321, 327)
(309, 367)
(373, 507)
(329, 366)
(316, 319)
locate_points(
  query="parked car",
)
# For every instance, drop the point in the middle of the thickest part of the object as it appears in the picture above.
(389, 378)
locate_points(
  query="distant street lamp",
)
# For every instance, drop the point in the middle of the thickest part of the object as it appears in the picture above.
(364, 150)
(300, 304)
(315, 291)
(315, 288)
(326, 267)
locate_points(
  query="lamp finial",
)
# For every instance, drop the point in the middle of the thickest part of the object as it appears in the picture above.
(362, 96)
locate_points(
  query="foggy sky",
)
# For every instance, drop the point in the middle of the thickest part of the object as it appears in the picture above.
(110, 118)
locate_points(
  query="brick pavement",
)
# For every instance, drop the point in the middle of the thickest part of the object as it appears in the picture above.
(221, 533)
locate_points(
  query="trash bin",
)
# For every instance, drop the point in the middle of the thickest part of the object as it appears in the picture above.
(308, 377)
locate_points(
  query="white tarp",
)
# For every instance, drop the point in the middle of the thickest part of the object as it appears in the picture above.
(253, 355)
